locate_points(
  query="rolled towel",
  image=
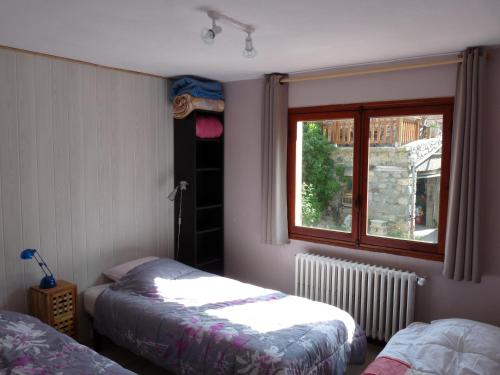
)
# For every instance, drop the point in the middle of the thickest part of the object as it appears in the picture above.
(184, 104)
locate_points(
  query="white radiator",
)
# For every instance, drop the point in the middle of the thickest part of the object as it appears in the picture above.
(380, 299)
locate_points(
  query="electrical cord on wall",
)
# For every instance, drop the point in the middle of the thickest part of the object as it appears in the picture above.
(179, 222)
(182, 186)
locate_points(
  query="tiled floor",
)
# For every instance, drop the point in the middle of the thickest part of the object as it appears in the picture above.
(143, 367)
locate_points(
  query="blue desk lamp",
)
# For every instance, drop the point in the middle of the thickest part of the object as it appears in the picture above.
(48, 281)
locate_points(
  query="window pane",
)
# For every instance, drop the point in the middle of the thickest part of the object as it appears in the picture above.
(324, 165)
(404, 177)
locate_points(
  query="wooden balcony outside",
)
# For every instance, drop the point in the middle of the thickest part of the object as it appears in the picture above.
(384, 131)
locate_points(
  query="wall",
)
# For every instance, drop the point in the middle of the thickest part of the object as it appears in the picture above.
(272, 266)
(85, 168)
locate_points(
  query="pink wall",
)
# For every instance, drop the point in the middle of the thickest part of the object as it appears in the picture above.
(249, 260)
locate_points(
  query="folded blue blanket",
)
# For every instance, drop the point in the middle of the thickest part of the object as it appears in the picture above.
(198, 88)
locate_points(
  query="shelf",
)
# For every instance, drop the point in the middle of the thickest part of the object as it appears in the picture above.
(209, 262)
(209, 230)
(209, 187)
(209, 206)
(210, 112)
(209, 219)
(208, 139)
(209, 246)
(201, 162)
(209, 155)
(208, 169)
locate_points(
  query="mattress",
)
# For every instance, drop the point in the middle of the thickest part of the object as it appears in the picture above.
(90, 297)
(444, 347)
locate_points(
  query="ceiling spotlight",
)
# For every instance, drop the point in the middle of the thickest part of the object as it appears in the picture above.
(249, 50)
(208, 35)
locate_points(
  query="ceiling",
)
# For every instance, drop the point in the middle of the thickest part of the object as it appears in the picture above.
(163, 36)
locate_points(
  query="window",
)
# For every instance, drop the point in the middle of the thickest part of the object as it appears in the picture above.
(372, 176)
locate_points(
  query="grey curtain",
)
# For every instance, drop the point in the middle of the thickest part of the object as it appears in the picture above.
(274, 161)
(462, 234)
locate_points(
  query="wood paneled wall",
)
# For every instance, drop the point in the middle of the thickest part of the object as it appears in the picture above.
(85, 169)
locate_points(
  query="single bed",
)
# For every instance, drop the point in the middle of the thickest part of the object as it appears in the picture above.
(28, 346)
(443, 347)
(193, 322)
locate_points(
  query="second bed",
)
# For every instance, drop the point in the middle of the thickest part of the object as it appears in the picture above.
(193, 322)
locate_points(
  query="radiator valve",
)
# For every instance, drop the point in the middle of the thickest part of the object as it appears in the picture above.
(421, 281)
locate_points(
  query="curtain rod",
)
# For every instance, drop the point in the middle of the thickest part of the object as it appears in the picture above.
(357, 72)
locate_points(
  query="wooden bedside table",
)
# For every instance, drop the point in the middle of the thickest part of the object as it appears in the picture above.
(56, 306)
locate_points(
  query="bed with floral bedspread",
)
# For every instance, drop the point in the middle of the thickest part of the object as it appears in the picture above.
(193, 322)
(30, 347)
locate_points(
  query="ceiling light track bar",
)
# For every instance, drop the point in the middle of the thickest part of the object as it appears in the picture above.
(214, 15)
(208, 35)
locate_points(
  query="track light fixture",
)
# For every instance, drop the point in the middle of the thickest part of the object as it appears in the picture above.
(249, 50)
(208, 34)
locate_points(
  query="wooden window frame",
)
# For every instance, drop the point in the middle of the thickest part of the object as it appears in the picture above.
(361, 112)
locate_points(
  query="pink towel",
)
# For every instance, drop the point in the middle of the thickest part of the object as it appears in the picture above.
(208, 127)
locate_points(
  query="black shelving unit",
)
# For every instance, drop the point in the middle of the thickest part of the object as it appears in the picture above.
(200, 162)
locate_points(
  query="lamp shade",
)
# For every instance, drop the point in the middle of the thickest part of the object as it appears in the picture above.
(28, 253)
(249, 50)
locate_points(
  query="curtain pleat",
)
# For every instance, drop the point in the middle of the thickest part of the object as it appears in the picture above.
(274, 161)
(462, 233)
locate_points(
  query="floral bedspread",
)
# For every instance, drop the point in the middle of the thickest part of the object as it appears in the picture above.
(29, 347)
(193, 322)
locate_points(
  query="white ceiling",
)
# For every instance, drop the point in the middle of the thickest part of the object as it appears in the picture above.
(163, 36)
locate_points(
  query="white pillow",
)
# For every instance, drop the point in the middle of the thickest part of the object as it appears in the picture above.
(117, 272)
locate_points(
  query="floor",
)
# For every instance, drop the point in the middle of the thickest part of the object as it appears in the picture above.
(143, 367)
(131, 361)
(371, 353)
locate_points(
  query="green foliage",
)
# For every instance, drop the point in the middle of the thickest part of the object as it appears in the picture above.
(311, 207)
(320, 178)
